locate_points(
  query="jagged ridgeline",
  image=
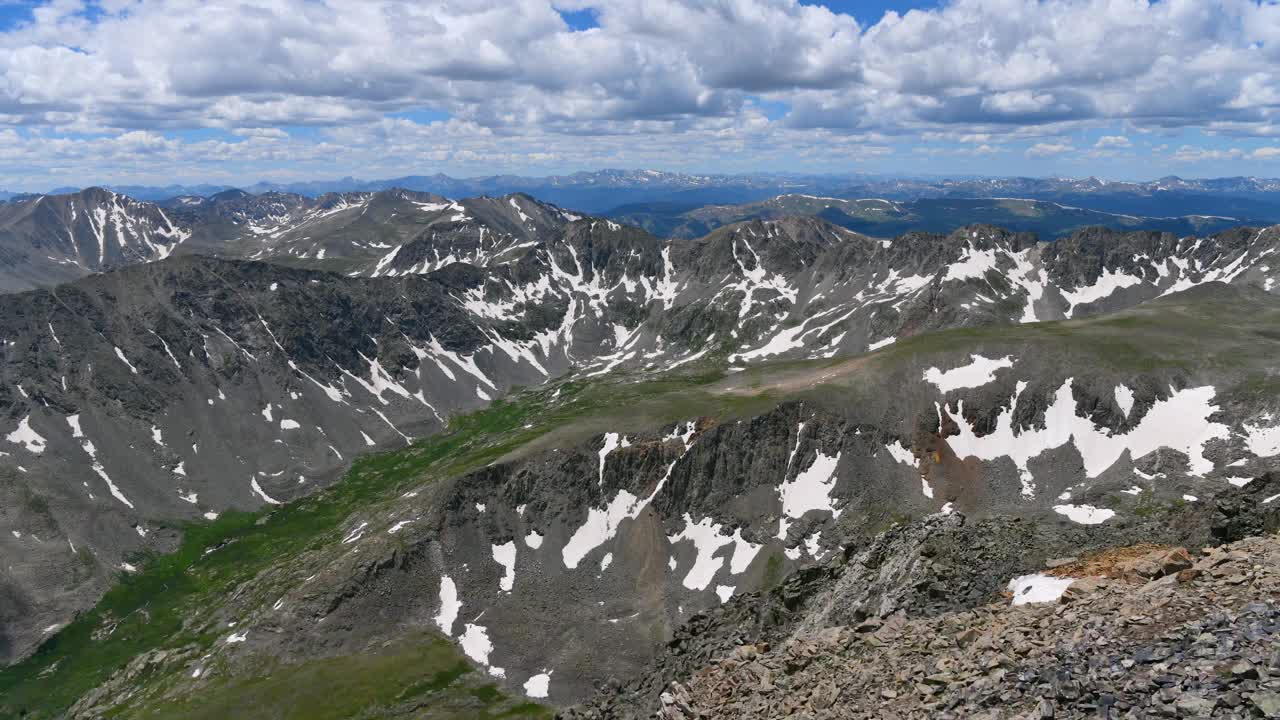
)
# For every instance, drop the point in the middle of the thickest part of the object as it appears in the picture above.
(464, 457)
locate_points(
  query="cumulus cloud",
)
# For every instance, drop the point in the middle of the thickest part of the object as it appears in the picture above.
(152, 64)
(1047, 149)
(1112, 141)
(513, 74)
(1192, 154)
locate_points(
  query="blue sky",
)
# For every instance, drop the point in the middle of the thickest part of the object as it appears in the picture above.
(125, 91)
(14, 12)
(867, 13)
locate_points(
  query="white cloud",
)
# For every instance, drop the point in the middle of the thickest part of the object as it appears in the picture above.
(1047, 149)
(686, 75)
(260, 132)
(1191, 153)
(269, 62)
(1112, 142)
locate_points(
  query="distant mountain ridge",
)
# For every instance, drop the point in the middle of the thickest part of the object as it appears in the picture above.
(884, 217)
(588, 190)
(600, 191)
(49, 239)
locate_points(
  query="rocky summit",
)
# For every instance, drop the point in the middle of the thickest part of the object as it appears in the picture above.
(1158, 634)
(491, 457)
(953, 616)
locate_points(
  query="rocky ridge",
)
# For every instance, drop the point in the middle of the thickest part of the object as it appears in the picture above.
(1202, 641)
(1136, 631)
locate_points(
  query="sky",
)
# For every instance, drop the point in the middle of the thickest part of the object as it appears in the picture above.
(237, 91)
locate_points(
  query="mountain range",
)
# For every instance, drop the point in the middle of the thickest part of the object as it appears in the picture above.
(590, 190)
(48, 239)
(385, 453)
(886, 218)
(602, 191)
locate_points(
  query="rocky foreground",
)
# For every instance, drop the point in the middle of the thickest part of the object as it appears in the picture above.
(1140, 632)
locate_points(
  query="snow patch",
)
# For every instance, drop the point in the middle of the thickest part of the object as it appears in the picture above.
(449, 605)
(977, 373)
(505, 555)
(612, 441)
(602, 523)
(1085, 514)
(1038, 588)
(1262, 441)
(355, 534)
(1106, 284)
(1124, 399)
(28, 438)
(1181, 422)
(538, 685)
(257, 490)
(706, 538)
(810, 490)
(125, 360)
(475, 643)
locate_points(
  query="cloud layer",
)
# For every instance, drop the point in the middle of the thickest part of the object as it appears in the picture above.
(296, 85)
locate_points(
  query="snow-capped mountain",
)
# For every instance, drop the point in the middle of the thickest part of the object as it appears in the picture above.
(55, 238)
(920, 374)
(59, 237)
(50, 239)
(184, 388)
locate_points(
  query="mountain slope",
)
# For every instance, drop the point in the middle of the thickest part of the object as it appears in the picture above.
(180, 389)
(562, 538)
(50, 239)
